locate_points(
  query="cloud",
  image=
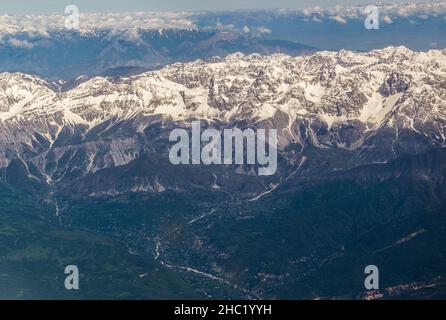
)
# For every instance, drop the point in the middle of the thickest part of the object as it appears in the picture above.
(254, 31)
(339, 19)
(342, 14)
(387, 19)
(131, 35)
(223, 27)
(43, 25)
(264, 30)
(20, 43)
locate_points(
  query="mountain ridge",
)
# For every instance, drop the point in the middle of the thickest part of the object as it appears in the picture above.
(344, 100)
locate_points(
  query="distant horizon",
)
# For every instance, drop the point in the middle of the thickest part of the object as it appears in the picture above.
(50, 7)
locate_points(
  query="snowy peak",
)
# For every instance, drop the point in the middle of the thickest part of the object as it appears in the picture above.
(21, 93)
(375, 88)
(376, 105)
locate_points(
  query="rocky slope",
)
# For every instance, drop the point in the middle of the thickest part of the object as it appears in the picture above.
(378, 104)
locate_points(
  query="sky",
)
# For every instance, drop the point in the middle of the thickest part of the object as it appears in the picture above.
(20, 7)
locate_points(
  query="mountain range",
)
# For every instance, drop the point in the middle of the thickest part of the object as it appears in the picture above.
(360, 180)
(63, 55)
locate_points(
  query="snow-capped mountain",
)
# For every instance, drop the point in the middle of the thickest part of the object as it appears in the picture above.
(378, 105)
(394, 88)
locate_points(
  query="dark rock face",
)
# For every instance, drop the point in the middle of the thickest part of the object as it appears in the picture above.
(395, 83)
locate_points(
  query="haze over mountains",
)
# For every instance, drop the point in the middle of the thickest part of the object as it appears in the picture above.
(128, 43)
